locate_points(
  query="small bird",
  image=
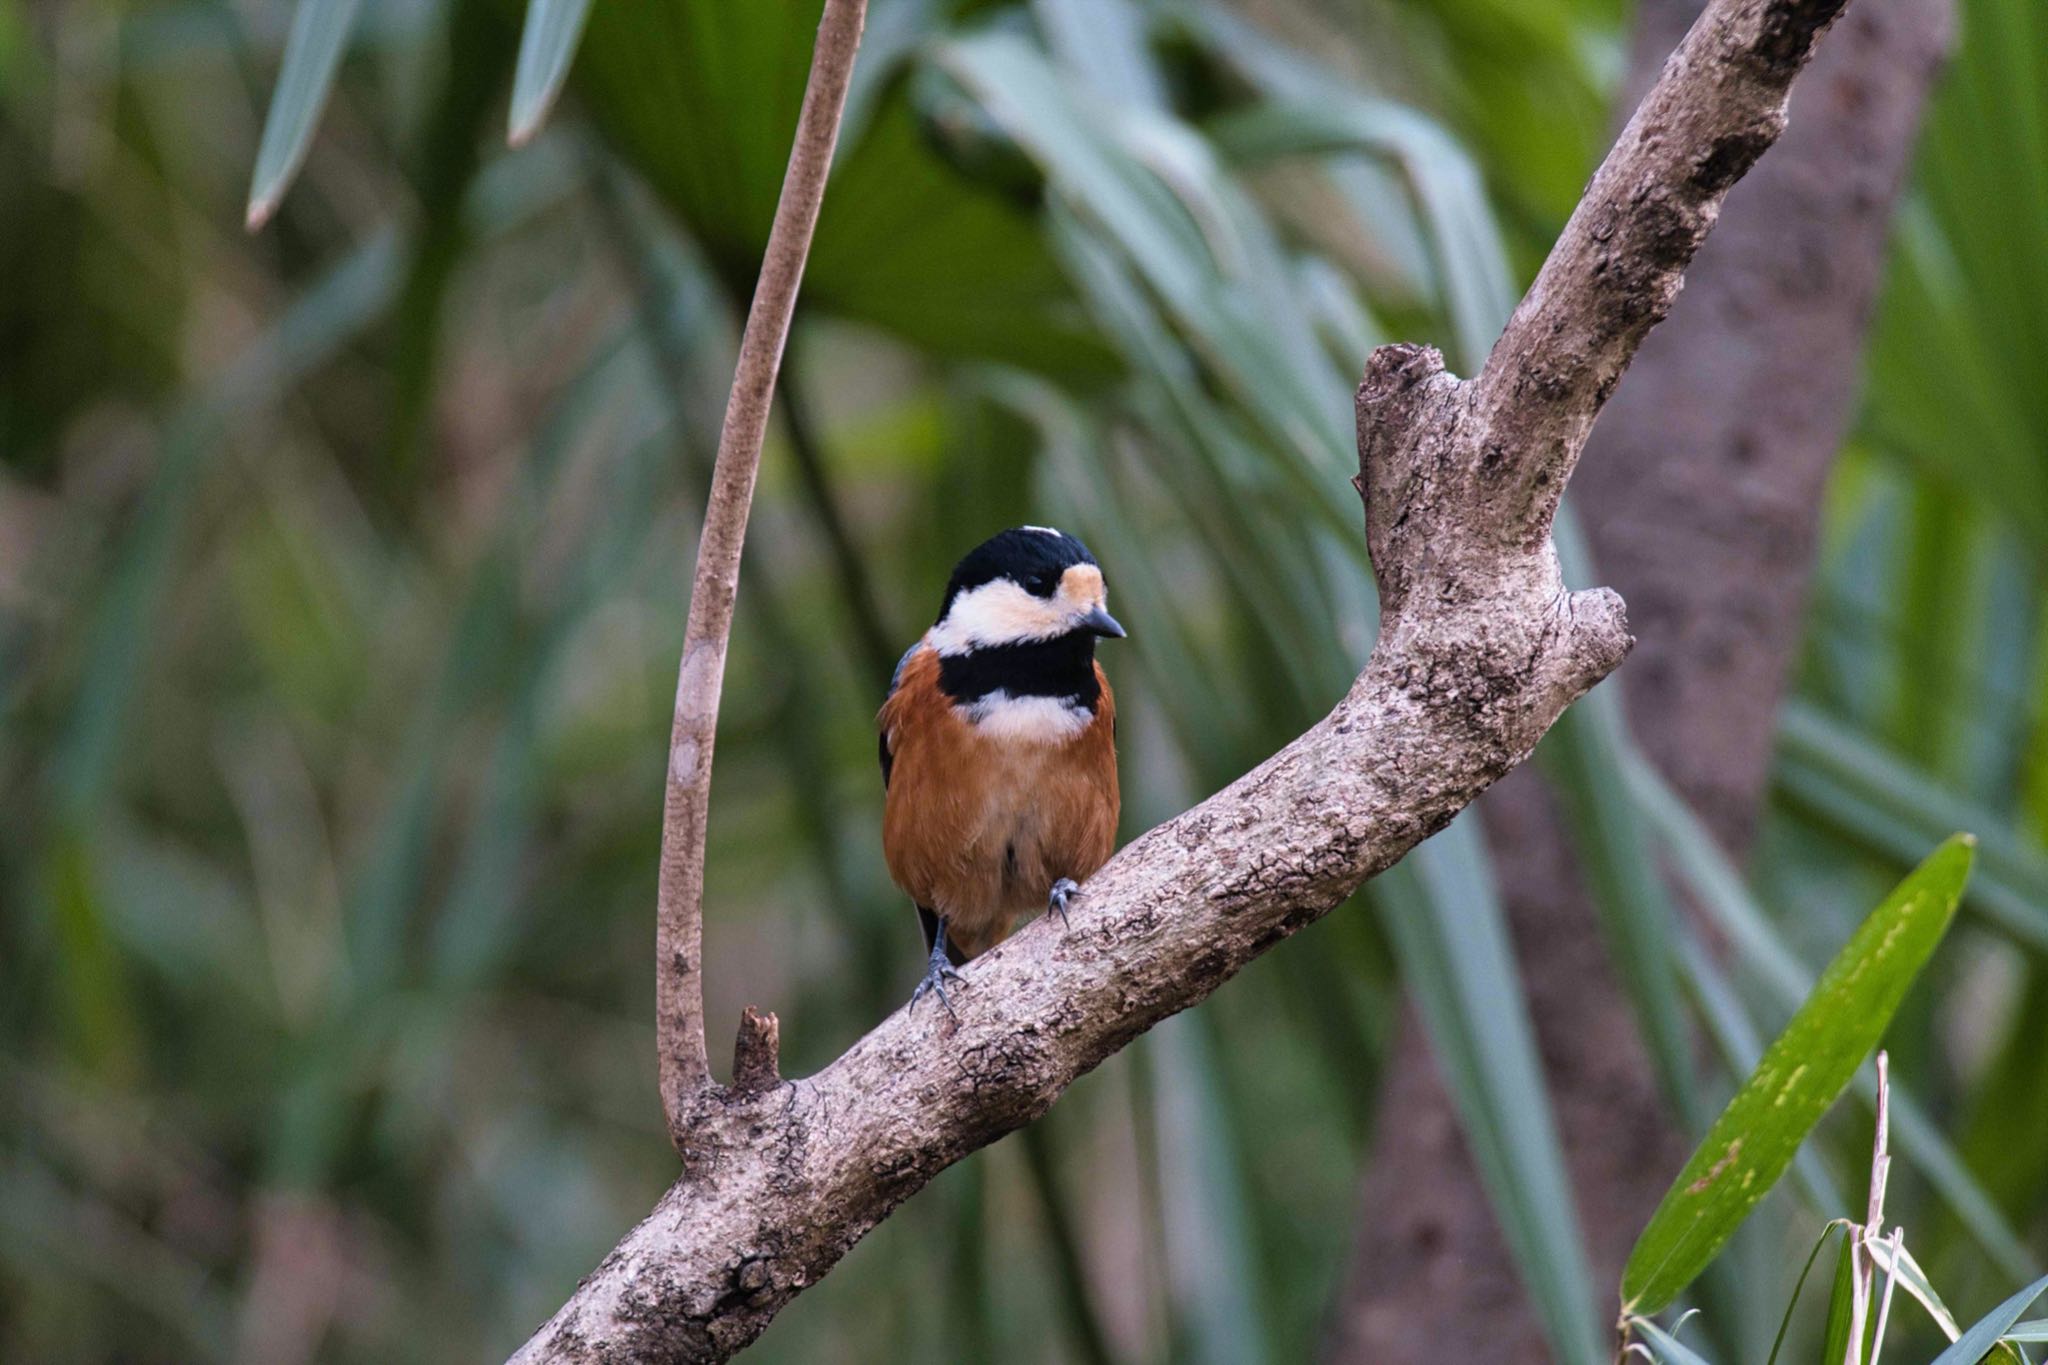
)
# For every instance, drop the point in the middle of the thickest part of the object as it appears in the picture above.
(999, 747)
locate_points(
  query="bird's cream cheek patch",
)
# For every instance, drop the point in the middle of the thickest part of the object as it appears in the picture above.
(997, 613)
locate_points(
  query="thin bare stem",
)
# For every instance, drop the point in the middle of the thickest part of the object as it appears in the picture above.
(1891, 1282)
(679, 931)
(1880, 1149)
(1862, 1264)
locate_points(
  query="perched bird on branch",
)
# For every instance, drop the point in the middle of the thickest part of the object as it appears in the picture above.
(999, 747)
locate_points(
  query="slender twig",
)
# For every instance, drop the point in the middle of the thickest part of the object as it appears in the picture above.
(797, 719)
(1891, 1282)
(679, 932)
(1862, 1264)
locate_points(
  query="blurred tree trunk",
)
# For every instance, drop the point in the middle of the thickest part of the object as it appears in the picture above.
(1701, 496)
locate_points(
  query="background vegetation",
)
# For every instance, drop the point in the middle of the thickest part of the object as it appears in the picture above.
(341, 577)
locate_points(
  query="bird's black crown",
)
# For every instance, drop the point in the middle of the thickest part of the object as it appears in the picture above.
(1033, 557)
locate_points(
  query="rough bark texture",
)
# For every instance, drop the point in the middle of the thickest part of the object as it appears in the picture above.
(700, 678)
(1480, 648)
(1701, 494)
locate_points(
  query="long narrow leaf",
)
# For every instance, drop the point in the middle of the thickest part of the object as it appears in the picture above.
(1800, 1076)
(312, 54)
(1798, 1285)
(1665, 1348)
(1841, 1307)
(1210, 1258)
(547, 46)
(1584, 753)
(1736, 1038)
(1452, 945)
(1899, 1263)
(1986, 1331)
(1888, 805)
(1719, 890)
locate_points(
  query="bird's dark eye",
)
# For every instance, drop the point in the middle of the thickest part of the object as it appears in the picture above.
(1040, 584)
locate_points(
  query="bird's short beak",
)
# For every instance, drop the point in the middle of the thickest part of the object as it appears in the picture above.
(1102, 623)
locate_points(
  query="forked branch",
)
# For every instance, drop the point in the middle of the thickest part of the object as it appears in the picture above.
(1480, 648)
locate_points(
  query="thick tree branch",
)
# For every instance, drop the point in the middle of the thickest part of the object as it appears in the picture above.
(1619, 264)
(679, 912)
(1701, 494)
(1480, 648)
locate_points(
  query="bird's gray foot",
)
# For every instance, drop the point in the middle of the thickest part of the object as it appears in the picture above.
(1063, 891)
(938, 970)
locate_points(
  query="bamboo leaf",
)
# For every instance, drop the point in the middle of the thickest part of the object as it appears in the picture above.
(1735, 1037)
(1800, 1076)
(1719, 890)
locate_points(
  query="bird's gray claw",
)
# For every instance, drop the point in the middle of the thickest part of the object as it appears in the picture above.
(938, 970)
(1063, 890)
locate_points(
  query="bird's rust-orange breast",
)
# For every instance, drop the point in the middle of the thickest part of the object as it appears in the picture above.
(977, 828)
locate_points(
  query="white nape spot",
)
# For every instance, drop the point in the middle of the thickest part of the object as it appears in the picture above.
(998, 612)
(1044, 531)
(1027, 720)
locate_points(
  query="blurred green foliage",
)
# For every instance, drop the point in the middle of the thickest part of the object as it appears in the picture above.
(341, 575)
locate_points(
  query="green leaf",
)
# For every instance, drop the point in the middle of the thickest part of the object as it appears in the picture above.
(1968, 278)
(1800, 1076)
(1636, 913)
(1156, 190)
(1841, 1306)
(312, 54)
(1985, 1333)
(1449, 196)
(1735, 1038)
(2032, 1332)
(546, 48)
(1718, 889)
(1799, 1285)
(701, 97)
